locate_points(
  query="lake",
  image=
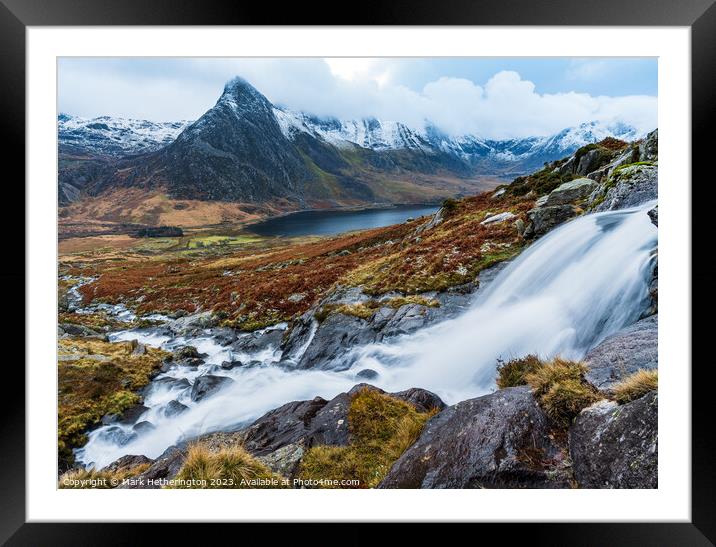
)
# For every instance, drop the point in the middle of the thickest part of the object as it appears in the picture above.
(334, 222)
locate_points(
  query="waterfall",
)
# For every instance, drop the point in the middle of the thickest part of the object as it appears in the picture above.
(568, 291)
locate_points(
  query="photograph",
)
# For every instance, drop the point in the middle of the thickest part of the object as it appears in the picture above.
(357, 272)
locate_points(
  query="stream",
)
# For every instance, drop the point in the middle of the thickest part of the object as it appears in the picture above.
(568, 291)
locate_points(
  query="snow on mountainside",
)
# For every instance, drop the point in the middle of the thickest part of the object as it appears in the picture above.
(390, 135)
(110, 136)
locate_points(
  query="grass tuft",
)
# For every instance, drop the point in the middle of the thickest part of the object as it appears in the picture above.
(381, 428)
(514, 372)
(636, 385)
(230, 467)
(91, 479)
(561, 390)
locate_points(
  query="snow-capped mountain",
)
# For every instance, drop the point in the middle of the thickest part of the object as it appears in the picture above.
(381, 135)
(249, 150)
(110, 136)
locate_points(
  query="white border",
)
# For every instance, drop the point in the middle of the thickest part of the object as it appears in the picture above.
(670, 502)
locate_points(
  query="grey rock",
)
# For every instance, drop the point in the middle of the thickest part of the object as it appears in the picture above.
(166, 466)
(495, 219)
(126, 463)
(422, 399)
(129, 416)
(167, 382)
(81, 331)
(143, 426)
(190, 324)
(614, 446)
(174, 408)
(649, 147)
(630, 186)
(208, 385)
(255, 342)
(623, 353)
(501, 440)
(570, 192)
(588, 162)
(228, 365)
(285, 461)
(367, 374)
(654, 215)
(544, 219)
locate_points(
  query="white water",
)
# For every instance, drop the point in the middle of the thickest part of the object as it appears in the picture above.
(566, 293)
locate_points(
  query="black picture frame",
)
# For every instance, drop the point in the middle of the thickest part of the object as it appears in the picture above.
(699, 15)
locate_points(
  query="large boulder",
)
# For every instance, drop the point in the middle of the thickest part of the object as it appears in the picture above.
(258, 341)
(500, 440)
(614, 446)
(208, 384)
(543, 219)
(628, 186)
(570, 192)
(623, 353)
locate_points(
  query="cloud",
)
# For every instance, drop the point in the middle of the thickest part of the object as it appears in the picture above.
(505, 106)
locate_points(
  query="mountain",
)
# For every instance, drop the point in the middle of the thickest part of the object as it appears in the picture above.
(246, 149)
(110, 136)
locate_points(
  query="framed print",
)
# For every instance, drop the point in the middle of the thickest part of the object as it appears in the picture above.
(423, 269)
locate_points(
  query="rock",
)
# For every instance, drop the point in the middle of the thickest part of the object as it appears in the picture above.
(286, 425)
(190, 324)
(588, 162)
(500, 440)
(649, 147)
(498, 193)
(436, 219)
(544, 219)
(207, 385)
(654, 215)
(296, 297)
(500, 217)
(628, 186)
(258, 341)
(422, 399)
(285, 460)
(140, 349)
(165, 466)
(570, 192)
(143, 427)
(82, 331)
(114, 434)
(125, 463)
(228, 365)
(520, 226)
(186, 352)
(614, 446)
(623, 353)
(223, 336)
(129, 416)
(167, 382)
(367, 374)
(174, 408)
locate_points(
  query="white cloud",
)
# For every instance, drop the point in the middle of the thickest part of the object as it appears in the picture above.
(505, 106)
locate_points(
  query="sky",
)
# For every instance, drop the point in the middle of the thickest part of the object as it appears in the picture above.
(489, 97)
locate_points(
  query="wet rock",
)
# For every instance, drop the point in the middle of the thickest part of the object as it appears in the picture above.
(140, 349)
(629, 186)
(544, 219)
(143, 427)
(125, 463)
(654, 215)
(191, 324)
(570, 192)
(223, 336)
(501, 440)
(367, 374)
(228, 365)
(186, 352)
(614, 446)
(129, 416)
(623, 353)
(174, 408)
(168, 382)
(255, 342)
(116, 435)
(207, 385)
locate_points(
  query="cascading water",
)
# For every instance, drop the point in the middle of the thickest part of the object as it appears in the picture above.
(577, 285)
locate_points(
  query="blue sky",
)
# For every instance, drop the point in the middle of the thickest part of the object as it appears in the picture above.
(493, 97)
